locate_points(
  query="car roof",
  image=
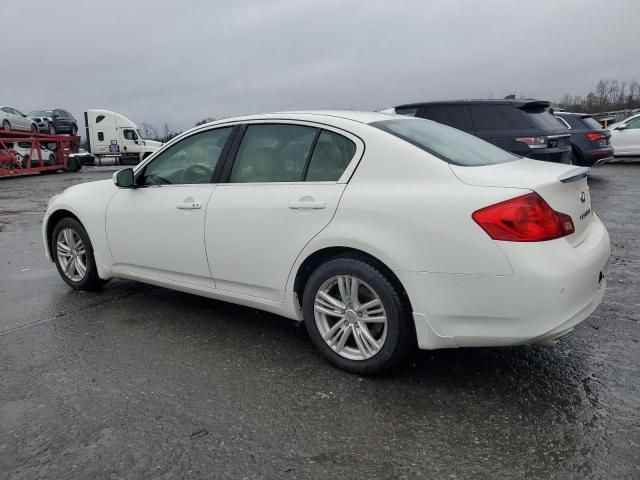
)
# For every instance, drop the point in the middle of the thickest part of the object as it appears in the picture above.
(515, 103)
(314, 115)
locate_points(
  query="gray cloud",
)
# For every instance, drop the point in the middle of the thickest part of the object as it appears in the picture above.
(180, 61)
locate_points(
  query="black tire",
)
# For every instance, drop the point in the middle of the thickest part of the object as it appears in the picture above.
(90, 280)
(52, 128)
(575, 158)
(73, 165)
(6, 125)
(400, 337)
(34, 128)
(74, 130)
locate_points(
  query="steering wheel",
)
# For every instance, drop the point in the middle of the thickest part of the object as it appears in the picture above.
(196, 174)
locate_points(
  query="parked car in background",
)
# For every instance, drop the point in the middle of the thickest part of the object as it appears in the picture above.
(589, 141)
(625, 136)
(13, 119)
(379, 232)
(55, 121)
(523, 127)
(42, 157)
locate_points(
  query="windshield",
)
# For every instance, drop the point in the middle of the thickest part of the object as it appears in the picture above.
(447, 143)
(40, 113)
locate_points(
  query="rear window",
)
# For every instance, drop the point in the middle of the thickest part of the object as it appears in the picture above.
(447, 143)
(591, 122)
(541, 118)
(455, 116)
(499, 117)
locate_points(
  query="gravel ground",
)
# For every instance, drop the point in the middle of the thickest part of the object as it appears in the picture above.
(142, 382)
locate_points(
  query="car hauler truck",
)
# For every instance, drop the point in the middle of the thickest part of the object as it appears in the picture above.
(112, 136)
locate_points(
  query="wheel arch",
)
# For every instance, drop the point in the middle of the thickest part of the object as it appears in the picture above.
(316, 258)
(53, 219)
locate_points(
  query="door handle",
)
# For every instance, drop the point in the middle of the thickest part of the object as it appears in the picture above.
(307, 204)
(189, 206)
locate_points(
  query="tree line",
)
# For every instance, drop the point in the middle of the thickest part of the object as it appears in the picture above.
(609, 95)
(166, 133)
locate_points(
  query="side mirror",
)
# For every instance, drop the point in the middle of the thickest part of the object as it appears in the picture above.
(124, 178)
(622, 126)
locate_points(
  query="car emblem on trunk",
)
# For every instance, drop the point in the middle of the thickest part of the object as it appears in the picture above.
(583, 197)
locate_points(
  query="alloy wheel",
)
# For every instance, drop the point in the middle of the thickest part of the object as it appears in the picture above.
(350, 317)
(72, 254)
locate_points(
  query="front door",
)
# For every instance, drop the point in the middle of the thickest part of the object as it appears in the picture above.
(627, 141)
(157, 229)
(131, 143)
(283, 189)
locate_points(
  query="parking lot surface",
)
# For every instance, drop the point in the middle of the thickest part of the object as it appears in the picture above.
(142, 382)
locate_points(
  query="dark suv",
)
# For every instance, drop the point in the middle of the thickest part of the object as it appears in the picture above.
(54, 121)
(523, 127)
(589, 141)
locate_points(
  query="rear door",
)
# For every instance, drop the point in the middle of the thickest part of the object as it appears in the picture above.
(283, 184)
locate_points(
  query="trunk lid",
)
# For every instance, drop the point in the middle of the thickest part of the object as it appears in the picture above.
(563, 187)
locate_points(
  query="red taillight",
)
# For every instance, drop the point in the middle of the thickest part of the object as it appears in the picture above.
(593, 136)
(523, 219)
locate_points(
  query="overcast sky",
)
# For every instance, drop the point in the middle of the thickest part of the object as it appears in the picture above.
(179, 61)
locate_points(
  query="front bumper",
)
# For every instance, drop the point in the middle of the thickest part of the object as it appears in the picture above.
(555, 286)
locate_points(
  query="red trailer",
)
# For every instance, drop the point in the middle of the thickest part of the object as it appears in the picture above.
(27, 152)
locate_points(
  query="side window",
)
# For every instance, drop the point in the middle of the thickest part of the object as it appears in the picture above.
(411, 112)
(192, 160)
(330, 158)
(129, 134)
(272, 153)
(634, 124)
(101, 136)
(456, 116)
(99, 118)
(6, 109)
(58, 113)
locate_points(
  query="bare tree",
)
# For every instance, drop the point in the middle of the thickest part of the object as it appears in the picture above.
(149, 131)
(602, 90)
(205, 120)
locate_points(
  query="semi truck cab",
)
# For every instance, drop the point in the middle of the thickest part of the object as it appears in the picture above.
(112, 135)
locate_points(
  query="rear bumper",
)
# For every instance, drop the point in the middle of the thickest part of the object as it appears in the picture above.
(557, 155)
(555, 286)
(597, 157)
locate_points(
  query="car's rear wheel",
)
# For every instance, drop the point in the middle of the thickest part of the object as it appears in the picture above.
(74, 130)
(34, 128)
(6, 125)
(356, 317)
(73, 254)
(52, 129)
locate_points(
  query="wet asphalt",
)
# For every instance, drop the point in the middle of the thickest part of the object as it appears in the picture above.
(141, 382)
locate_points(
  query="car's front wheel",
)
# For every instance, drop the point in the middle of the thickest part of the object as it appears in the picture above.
(52, 129)
(73, 254)
(356, 317)
(6, 125)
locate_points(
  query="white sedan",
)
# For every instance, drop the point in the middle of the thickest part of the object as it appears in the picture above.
(13, 119)
(379, 232)
(625, 136)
